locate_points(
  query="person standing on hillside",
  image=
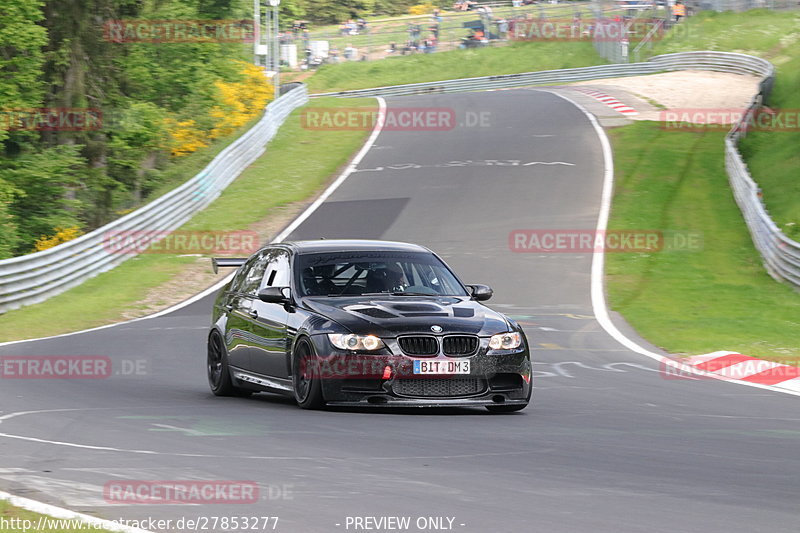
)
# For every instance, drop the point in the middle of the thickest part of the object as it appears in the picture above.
(678, 11)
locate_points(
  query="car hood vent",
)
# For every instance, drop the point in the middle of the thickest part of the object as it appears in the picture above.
(374, 312)
(417, 308)
(463, 312)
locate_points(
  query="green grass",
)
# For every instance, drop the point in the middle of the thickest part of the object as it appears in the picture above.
(417, 68)
(50, 525)
(760, 32)
(692, 302)
(298, 162)
(773, 156)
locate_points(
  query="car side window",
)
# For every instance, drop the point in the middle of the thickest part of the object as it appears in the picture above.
(278, 271)
(241, 275)
(253, 273)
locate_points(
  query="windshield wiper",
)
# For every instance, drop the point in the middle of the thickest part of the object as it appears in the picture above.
(407, 293)
(398, 293)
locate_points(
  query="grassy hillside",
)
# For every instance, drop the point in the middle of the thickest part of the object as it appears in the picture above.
(518, 57)
(716, 296)
(773, 156)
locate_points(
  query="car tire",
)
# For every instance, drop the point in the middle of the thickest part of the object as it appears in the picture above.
(219, 375)
(306, 383)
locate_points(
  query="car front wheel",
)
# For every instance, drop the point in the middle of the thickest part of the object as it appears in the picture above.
(305, 376)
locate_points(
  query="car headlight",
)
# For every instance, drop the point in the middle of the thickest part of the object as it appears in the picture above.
(350, 341)
(505, 341)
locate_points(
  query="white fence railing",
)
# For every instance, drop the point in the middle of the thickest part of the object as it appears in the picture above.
(781, 254)
(38, 276)
(720, 61)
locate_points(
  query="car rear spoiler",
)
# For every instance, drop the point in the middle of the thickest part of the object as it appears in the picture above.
(226, 262)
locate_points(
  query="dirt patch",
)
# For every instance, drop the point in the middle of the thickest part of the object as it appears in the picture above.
(686, 91)
(198, 276)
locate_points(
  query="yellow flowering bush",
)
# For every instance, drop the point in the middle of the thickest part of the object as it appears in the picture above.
(241, 101)
(237, 102)
(61, 235)
(185, 137)
(421, 9)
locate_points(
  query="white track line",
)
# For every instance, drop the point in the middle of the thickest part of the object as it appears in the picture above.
(281, 236)
(598, 265)
(65, 514)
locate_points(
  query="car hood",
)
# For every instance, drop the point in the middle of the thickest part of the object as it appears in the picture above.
(400, 315)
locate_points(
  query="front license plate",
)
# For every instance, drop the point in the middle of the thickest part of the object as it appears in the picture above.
(441, 367)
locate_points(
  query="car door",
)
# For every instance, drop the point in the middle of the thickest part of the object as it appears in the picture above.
(269, 320)
(240, 339)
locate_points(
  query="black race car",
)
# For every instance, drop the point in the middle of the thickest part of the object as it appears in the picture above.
(363, 323)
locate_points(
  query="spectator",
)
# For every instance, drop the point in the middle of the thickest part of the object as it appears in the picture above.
(392, 48)
(350, 53)
(678, 11)
(502, 28)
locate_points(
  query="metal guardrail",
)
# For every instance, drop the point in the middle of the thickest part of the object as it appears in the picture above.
(781, 254)
(35, 277)
(721, 61)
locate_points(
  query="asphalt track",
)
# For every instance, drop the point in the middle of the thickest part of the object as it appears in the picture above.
(608, 446)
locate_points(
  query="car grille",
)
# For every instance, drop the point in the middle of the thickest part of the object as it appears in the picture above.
(460, 345)
(439, 387)
(419, 345)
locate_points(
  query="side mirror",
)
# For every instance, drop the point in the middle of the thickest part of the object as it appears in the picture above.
(275, 295)
(480, 293)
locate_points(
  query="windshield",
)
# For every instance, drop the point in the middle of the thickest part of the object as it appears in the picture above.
(357, 273)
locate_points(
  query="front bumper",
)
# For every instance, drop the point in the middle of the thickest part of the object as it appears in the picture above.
(495, 378)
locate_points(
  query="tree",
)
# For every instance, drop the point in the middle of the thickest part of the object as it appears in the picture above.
(137, 137)
(21, 42)
(9, 238)
(38, 203)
